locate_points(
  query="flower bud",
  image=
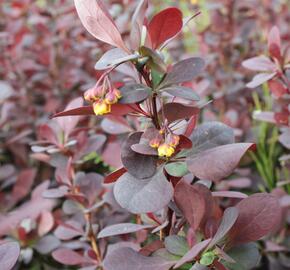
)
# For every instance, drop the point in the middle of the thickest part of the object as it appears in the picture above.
(155, 142)
(173, 140)
(112, 96)
(101, 107)
(117, 92)
(89, 96)
(93, 94)
(165, 150)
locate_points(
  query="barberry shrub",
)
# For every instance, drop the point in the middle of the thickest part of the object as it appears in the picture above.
(170, 162)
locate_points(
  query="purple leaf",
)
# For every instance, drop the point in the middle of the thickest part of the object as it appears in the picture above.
(98, 22)
(260, 63)
(114, 127)
(229, 194)
(140, 166)
(190, 202)
(229, 218)
(67, 256)
(127, 258)
(176, 111)
(260, 79)
(274, 43)
(122, 228)
(54, 193)
(211, 134)
(259, 214)
(137, 24)
(184, 71)
(264, 116)
(143, 195)
(222, 160)
(144, 149)
(114, 57)
(68, 230)
(47, 244)
(181, 91)
(69, 123)
(9, 253)
(134, 93)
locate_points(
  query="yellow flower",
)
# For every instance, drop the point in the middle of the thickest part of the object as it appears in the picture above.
(165, 150)
(155, 142)
(101, 107)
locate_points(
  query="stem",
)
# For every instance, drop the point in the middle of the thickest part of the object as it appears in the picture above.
(154, 115)
(92, 238)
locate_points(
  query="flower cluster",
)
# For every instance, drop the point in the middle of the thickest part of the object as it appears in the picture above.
(165, 144)
(102, 97)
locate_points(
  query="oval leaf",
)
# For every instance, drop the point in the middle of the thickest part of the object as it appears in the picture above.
(221, 160)
(143, 195)
(133, 93)
(176, 169)
(190, 202)
(9, 253)
(164, 25)
(126, 258)
(98, 22)
(258, 216)
(184, 71)
(176, 245)
(182, 92)
(67, 256)
(229, 218)
(175, 111)
(114, 57)
(138, 165)
(209, 135)
(122, 228)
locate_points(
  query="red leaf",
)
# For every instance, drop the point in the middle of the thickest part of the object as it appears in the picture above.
(190, 202)
(221, 160)
(113, 177)
(282, 118)
(98, 22)
(151, 247)
(23, 185)
(45, 223)
(47, 133)
(277, 88)
(137, 24)
(191, 125)
(274, 43)
(69, 123)
(184, 143)
(258, 216)
(84, 110)
(116, 109)
(67, 256)
(175, 111)
(164, 25)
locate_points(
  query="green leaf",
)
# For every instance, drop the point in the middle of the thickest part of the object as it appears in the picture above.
(207, 258)
(246, 256)
(176, 245)
(176, 169)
